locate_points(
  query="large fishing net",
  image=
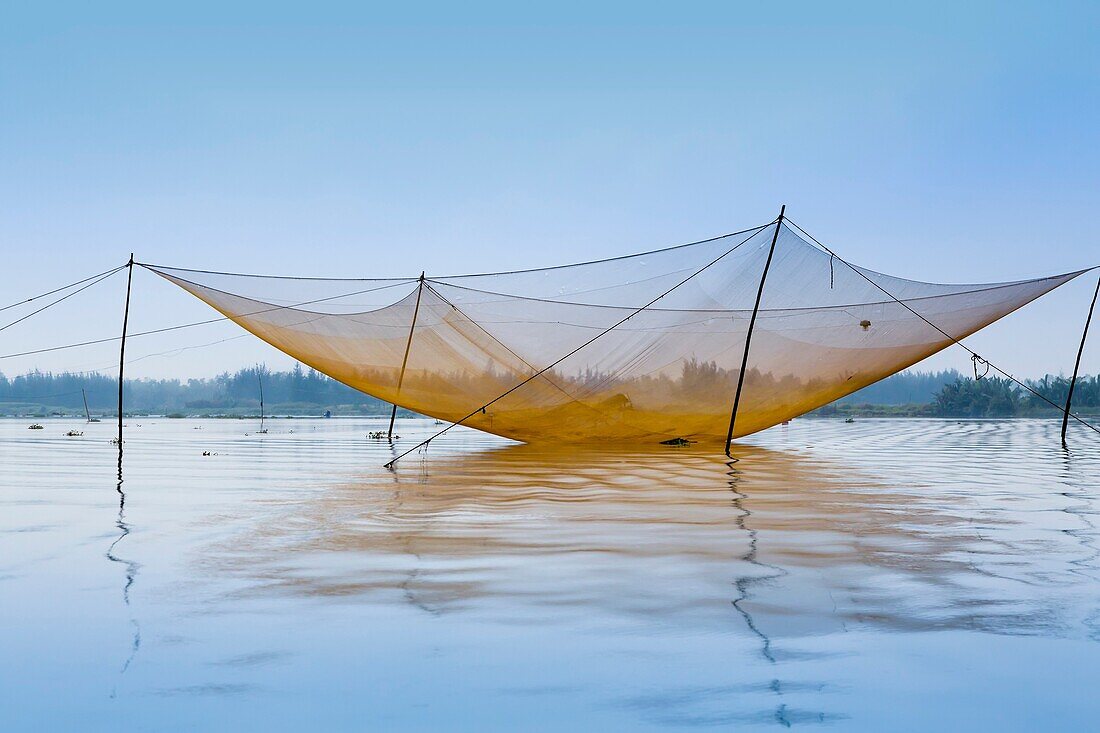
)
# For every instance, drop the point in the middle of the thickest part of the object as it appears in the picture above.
(646, 347)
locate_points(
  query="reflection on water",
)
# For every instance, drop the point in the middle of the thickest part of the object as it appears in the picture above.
(835, 574)
(583, 527)
(130, 565)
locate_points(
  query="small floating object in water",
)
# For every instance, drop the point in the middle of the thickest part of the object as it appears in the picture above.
(35, 426)
(437, 422)
(208, 453)
(677, 441)
(379, 435)
(865, 324)
(94, 419)
(850, 419)
(114, 441)
(74, 433)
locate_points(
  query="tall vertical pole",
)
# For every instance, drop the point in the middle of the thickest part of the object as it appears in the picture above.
(408, 345)
(1077, 365)
(752, 324)
(122, 359)
(260, 378)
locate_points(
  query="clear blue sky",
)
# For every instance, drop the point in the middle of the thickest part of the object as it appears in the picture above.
(952, 142)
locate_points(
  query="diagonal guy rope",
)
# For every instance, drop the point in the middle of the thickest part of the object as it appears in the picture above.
(954, 340)
(94, 280)
(197, 323)
(64, 287)
(550, 366)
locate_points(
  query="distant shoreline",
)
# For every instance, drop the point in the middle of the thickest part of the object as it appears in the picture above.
(300, 393)
(402, 414)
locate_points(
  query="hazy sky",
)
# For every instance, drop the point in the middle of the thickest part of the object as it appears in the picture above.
(956, 143)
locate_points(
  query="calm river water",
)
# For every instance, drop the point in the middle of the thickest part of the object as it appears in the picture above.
(883, 575)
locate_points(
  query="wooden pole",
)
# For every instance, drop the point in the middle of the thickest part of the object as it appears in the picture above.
(752, 324)
(405, 360)
(122, 355)
(261, 381)
(1077, 365)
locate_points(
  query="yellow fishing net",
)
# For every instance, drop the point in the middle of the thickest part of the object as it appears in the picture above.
(643, 348)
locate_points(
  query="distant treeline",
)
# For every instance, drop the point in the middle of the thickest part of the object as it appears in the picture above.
(957, 396)
(308, 392)
(904, 388)
(298, 391)
(994, 396)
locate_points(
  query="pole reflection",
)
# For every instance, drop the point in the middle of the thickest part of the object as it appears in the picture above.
(131, 570)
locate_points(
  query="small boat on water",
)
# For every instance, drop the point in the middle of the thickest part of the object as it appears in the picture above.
(74, 433)
(35, 426)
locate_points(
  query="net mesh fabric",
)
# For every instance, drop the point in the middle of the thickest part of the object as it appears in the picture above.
(652, 343)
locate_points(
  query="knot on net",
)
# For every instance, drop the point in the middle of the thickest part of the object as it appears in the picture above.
(979, 362)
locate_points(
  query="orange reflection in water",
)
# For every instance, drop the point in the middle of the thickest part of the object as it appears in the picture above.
(778, 543)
